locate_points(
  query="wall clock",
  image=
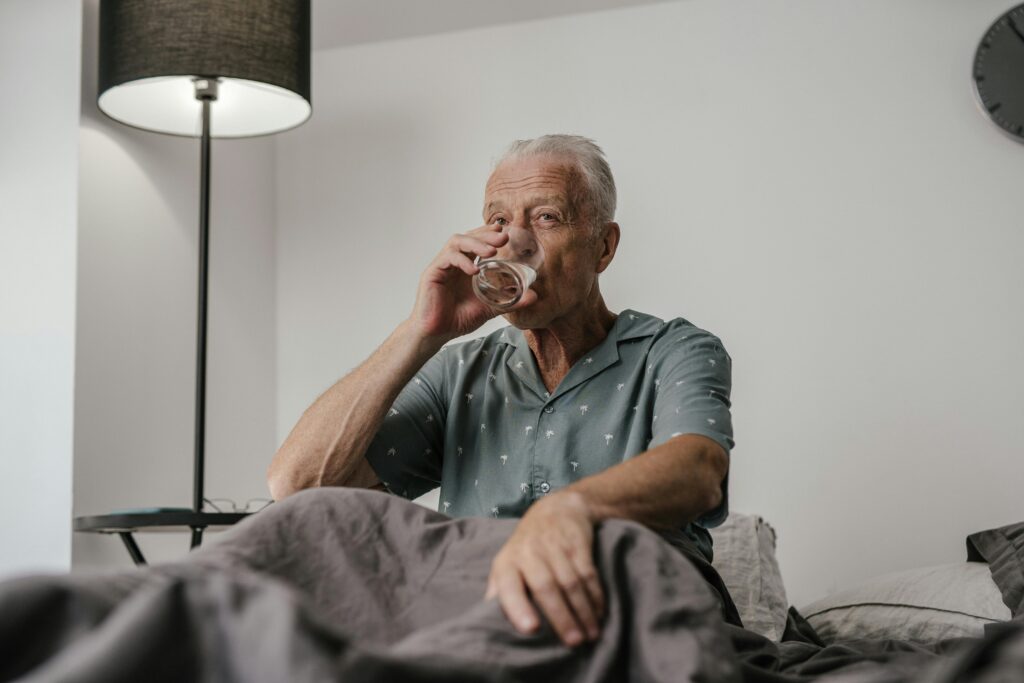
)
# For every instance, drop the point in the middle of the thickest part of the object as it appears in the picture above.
(999, 72)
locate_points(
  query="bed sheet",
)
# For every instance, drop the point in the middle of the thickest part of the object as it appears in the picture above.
(353, 585)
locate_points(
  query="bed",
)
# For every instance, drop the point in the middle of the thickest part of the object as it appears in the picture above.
(355, 585)
(924, 605)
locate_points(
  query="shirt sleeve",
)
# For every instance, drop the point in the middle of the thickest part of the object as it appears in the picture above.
(407, 450)
(692, 392)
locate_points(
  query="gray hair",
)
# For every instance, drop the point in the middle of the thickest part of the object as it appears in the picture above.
(588, 159)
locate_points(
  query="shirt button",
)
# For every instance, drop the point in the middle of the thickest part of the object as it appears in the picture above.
(549, 410)
(545, 487)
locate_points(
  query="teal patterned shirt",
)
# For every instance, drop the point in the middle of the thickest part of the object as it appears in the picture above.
(477, 420)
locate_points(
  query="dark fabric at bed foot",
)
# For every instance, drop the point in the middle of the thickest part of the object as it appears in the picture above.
(997, 657)
(800, 630)
(1003, 549)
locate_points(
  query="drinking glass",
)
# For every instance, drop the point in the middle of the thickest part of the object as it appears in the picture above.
(503, 280)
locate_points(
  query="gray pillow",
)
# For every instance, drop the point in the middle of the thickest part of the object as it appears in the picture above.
(744, 549)
(923, 606)
(1003, 550)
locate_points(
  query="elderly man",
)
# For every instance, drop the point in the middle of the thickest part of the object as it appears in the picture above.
(570, 415)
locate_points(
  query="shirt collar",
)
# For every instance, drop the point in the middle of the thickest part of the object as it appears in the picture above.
(628, 325)
(635, 324)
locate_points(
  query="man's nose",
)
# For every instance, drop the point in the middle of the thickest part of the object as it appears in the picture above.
(521, 244)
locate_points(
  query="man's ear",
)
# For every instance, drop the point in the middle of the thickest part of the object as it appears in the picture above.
(608, 244)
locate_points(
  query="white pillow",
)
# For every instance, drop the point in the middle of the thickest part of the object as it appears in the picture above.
(923, 606)
(744, 555)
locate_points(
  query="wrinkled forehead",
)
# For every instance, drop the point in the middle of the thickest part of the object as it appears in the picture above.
(534, 179)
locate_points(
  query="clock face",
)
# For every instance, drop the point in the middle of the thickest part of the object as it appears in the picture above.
(999, 72)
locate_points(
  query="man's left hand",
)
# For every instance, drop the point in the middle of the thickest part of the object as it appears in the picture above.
(550, 554)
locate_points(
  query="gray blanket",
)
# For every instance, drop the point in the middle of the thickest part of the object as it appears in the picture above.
(353, 585)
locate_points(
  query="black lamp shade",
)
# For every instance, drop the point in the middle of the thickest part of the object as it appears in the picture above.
(258, 50)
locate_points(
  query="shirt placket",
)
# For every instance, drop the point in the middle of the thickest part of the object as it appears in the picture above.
(543, 455)
(545, 449)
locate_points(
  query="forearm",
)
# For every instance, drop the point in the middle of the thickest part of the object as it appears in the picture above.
(663, 488)
(328, 444)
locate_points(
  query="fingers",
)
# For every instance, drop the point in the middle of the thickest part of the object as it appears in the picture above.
(462, 248)
(445, 304)
(548, 592)
(488, 228)
(579, 593)
(460, 261)
(473, 245)
(512, 595)
(488, 234)
(459, 251)
(565, 586)
(587, 573)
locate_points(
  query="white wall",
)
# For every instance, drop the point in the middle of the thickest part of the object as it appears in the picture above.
(39, 59)
(134, 403)
(811, 181)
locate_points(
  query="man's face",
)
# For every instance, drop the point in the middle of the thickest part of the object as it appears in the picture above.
(546, 196)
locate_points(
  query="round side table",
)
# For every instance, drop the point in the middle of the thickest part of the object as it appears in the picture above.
(124, 524)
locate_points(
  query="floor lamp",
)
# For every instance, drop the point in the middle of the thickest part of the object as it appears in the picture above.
(206, 69)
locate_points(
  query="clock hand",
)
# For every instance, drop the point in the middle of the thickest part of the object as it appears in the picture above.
(1016, 29)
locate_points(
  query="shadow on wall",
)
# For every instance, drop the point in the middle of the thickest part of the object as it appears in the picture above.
(137, 150)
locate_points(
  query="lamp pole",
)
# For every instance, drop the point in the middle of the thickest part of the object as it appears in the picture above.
(206, 93)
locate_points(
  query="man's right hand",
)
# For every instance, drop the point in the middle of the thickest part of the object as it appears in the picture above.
(446, 306)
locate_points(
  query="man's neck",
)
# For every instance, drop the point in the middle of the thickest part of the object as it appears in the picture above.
(557, 347)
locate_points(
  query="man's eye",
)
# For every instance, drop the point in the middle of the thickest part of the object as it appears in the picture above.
(548, 217)
(500, 221)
